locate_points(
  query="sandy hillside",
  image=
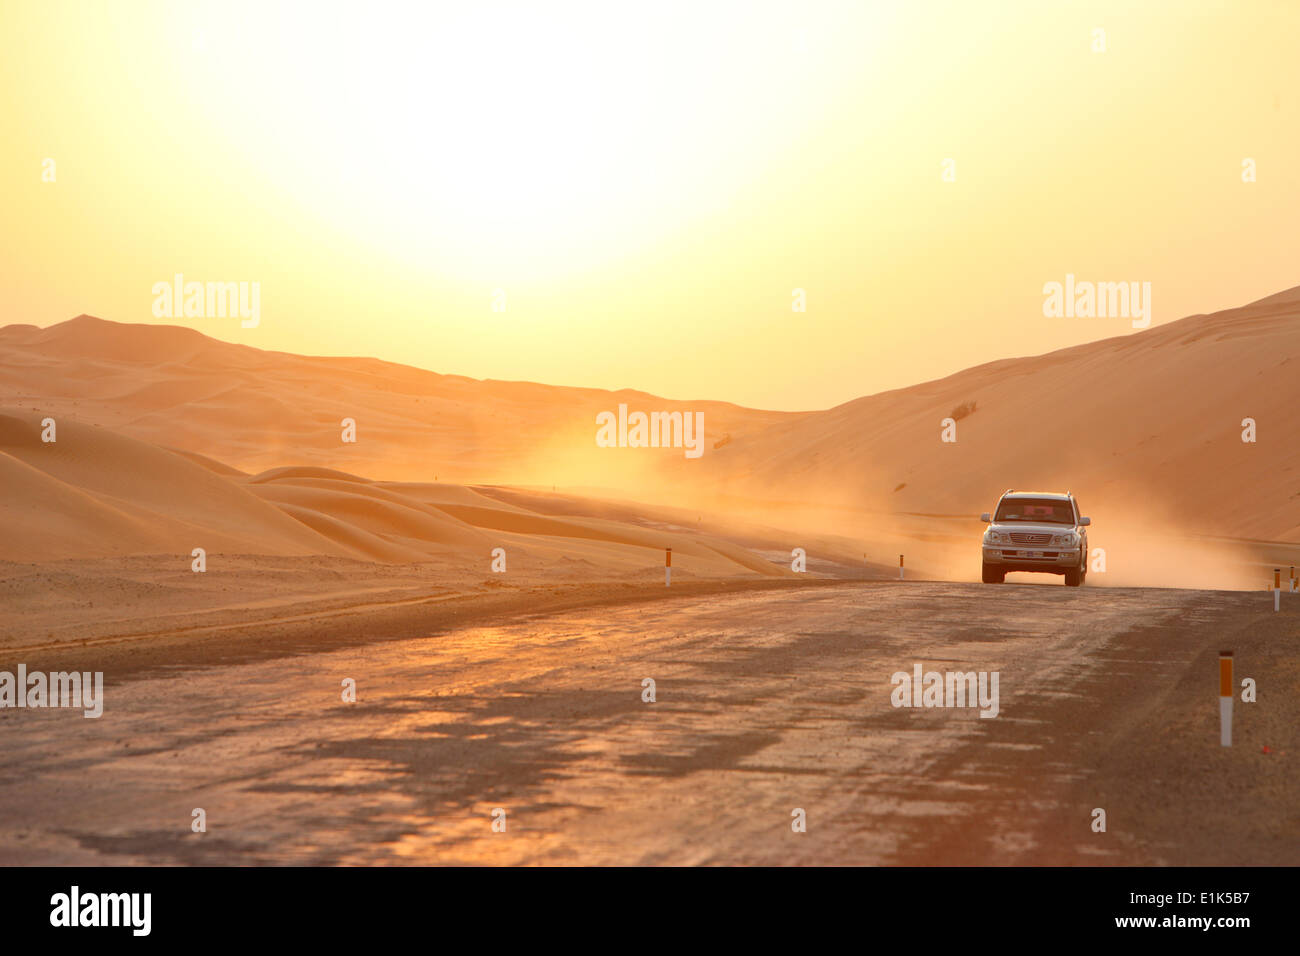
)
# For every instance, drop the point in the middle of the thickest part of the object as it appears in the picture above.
(255, 410)
(1146, 425)
(94, 493)
(170, 440)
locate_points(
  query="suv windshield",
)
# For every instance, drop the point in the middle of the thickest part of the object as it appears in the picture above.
(1045, 510)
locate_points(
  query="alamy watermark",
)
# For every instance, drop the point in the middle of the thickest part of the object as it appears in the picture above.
(208, 300)
(1101, 300)
(949, 689)
(75, 908)
(653, 430)
(56, 689)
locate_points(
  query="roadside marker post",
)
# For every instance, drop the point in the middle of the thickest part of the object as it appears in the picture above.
(668, 568)
(1277, 589)
(1225, 698)
(1293, 577)
(900, 567)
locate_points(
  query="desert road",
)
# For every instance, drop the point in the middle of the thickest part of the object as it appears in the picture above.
(765, 704)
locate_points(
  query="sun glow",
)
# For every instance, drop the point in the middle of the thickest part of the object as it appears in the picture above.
(645, 187)
(490, 138)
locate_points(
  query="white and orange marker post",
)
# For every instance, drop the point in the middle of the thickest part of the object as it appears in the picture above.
(1225, 698)
(900, 567)
(1293, 584)
(1277, 589)
(668, 568)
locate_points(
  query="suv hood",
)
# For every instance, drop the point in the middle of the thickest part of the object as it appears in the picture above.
(1032, 527)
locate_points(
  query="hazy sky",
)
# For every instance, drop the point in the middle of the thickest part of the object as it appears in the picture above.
(646, 184)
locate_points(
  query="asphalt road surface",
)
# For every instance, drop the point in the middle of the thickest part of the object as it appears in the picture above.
(765, 704)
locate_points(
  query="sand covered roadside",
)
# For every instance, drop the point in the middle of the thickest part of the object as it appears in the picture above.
(118, 615)
(1226, 806)
(1136, 734)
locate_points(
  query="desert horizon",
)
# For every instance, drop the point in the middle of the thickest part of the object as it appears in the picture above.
(272, 431)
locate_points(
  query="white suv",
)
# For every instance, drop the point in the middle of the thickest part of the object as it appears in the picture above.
(1036, 531)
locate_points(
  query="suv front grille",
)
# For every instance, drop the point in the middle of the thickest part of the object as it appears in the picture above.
(1028, 537)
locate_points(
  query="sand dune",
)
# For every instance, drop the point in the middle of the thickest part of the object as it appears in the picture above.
(1147, 426)
(255, 410)
(94, 493)
(204, 443)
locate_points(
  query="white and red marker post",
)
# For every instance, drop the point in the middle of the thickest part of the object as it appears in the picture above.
(1277, 589)
(668, 568)
(1225, 698)
(900, 567)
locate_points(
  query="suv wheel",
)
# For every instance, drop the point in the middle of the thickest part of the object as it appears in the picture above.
(992, 574)
(1074, 577)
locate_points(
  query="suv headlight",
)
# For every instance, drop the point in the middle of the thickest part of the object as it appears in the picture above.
(996, 537)
(1069, 539)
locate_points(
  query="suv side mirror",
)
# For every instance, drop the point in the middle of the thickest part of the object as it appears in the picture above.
(1084, 522)
(986, 517)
